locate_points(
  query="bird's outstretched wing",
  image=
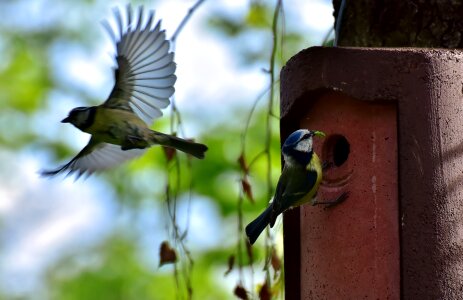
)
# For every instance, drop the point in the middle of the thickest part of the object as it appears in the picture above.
(94, 157)
(145, 68)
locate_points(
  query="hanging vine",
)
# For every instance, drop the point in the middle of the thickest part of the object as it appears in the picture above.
(183, 265)
(271, 285)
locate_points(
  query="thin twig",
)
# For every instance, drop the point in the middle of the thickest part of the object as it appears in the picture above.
(251, 113)
(266, 151)
(272, 94)
(186, 267)
(342, 7)
(185, 20)
(240, 244)
(256, 158)
(327, 36)
(269, 246)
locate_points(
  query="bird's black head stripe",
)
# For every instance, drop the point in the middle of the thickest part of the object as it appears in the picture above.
(90, 119)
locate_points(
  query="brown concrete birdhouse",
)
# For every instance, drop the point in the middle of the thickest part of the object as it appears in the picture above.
(395, 142)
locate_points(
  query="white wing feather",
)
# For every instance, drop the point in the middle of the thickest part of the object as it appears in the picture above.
(145, 73)
(95, 157)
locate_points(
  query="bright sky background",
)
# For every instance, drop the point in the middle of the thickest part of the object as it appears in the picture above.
(38, 224)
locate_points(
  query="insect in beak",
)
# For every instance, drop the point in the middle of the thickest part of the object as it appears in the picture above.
(319, 133)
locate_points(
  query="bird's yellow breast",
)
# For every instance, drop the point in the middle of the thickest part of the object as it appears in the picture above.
(315, 166)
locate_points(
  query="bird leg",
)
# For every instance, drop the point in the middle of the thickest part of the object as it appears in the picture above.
(134, 142)
(341, 198)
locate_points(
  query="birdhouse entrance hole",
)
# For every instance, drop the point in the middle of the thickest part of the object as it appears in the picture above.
(336, 150)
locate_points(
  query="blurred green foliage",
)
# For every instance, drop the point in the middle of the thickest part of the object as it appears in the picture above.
(118, 272)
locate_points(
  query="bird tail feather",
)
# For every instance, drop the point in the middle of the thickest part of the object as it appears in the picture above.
(255, 228)
(195, 149)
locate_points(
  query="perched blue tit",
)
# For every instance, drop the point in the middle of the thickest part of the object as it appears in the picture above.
(298, 183)
(144, 81)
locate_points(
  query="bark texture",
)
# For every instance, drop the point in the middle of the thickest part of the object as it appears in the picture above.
(401, 23)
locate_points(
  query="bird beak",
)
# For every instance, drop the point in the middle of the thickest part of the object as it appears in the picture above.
(66, 120)
(318, 133)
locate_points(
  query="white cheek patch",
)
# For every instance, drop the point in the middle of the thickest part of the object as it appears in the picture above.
(289, 161)
(304, 146)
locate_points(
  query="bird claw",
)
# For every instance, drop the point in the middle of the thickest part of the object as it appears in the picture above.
(341, 198)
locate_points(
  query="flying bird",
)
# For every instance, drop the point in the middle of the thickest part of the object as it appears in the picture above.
(144, 81)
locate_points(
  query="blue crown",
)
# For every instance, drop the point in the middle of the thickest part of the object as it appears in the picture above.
(294, 138)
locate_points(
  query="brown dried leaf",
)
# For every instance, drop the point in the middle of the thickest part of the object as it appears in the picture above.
(169, 153)
(247, 189)
(167, 254)
(242, 163)
(241, 292)
(275, 261)
(265, 293)
(231, 264)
